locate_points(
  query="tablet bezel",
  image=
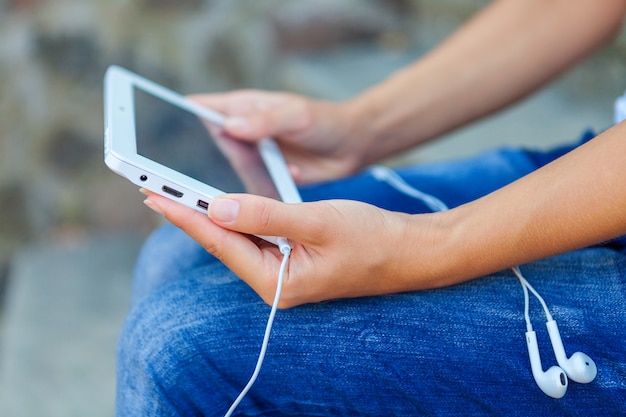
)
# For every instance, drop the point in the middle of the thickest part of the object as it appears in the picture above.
(121, 149)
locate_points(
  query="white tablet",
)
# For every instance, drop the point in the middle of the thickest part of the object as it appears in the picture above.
(167, 144)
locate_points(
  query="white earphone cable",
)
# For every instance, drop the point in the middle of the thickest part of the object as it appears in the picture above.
(389, 176)
(286, 251)
(526, 285)
(529, 325)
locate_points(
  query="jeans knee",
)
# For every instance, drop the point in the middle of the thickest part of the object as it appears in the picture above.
(144, 352)
(168, 253)
(170, 352)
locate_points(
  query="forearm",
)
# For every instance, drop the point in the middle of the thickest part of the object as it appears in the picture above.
(506, 52)
(576, 201)
(344, 248)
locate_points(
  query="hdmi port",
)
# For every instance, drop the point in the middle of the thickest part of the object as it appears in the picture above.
(172, 191)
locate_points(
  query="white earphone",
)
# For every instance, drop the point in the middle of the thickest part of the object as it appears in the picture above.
(552, 382)
(579, 367)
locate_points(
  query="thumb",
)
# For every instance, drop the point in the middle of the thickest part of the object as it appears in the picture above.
(257, 215)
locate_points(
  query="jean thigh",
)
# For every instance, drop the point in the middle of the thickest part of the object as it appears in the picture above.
(453, 182)
(191, 345)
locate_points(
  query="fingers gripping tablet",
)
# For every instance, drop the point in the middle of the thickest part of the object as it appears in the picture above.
(174, 147)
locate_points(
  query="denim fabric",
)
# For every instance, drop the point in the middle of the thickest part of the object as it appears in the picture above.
(192, 337)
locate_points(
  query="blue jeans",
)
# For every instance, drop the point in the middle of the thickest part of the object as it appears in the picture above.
(193, 334)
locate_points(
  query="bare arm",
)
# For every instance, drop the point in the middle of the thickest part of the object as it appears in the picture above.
(507, 51)
(504, 53)
(576, 201)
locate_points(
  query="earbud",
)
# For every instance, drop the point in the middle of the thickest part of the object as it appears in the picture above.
(579, 367)
(552, 382)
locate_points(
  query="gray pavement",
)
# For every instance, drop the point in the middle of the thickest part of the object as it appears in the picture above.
(65, 306)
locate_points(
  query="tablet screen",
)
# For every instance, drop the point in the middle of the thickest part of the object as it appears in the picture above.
(183, 141)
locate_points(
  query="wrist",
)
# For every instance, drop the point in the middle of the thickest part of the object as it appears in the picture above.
(371, 124)
(442, 249)
(356, 129)
(421, 256)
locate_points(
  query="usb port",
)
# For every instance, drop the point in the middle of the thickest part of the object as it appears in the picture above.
(203, 204)
(172, 191)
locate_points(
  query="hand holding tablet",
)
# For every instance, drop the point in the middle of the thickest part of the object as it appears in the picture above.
(167, 144)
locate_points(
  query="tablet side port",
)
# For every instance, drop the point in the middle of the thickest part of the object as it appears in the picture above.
(172, 191)
(203, 204)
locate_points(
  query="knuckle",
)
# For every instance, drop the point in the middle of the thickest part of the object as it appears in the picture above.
(317, 220)
(264, 217)
(214, 249)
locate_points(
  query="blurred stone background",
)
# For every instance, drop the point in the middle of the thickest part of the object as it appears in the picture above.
(55, 191)
(53, 55)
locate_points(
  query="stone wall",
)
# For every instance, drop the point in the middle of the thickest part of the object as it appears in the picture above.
(53, 54)
(52, 58)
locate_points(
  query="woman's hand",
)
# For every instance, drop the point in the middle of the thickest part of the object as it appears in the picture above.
(317, 137)
(341, 248)
(350, 249)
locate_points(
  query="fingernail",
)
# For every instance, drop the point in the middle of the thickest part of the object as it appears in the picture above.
(224, 210)
(144, 191)
(153, 206)
(236, 123)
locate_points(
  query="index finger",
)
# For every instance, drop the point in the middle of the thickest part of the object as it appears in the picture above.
(239, 102)
(305, 223)
(254, 263)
